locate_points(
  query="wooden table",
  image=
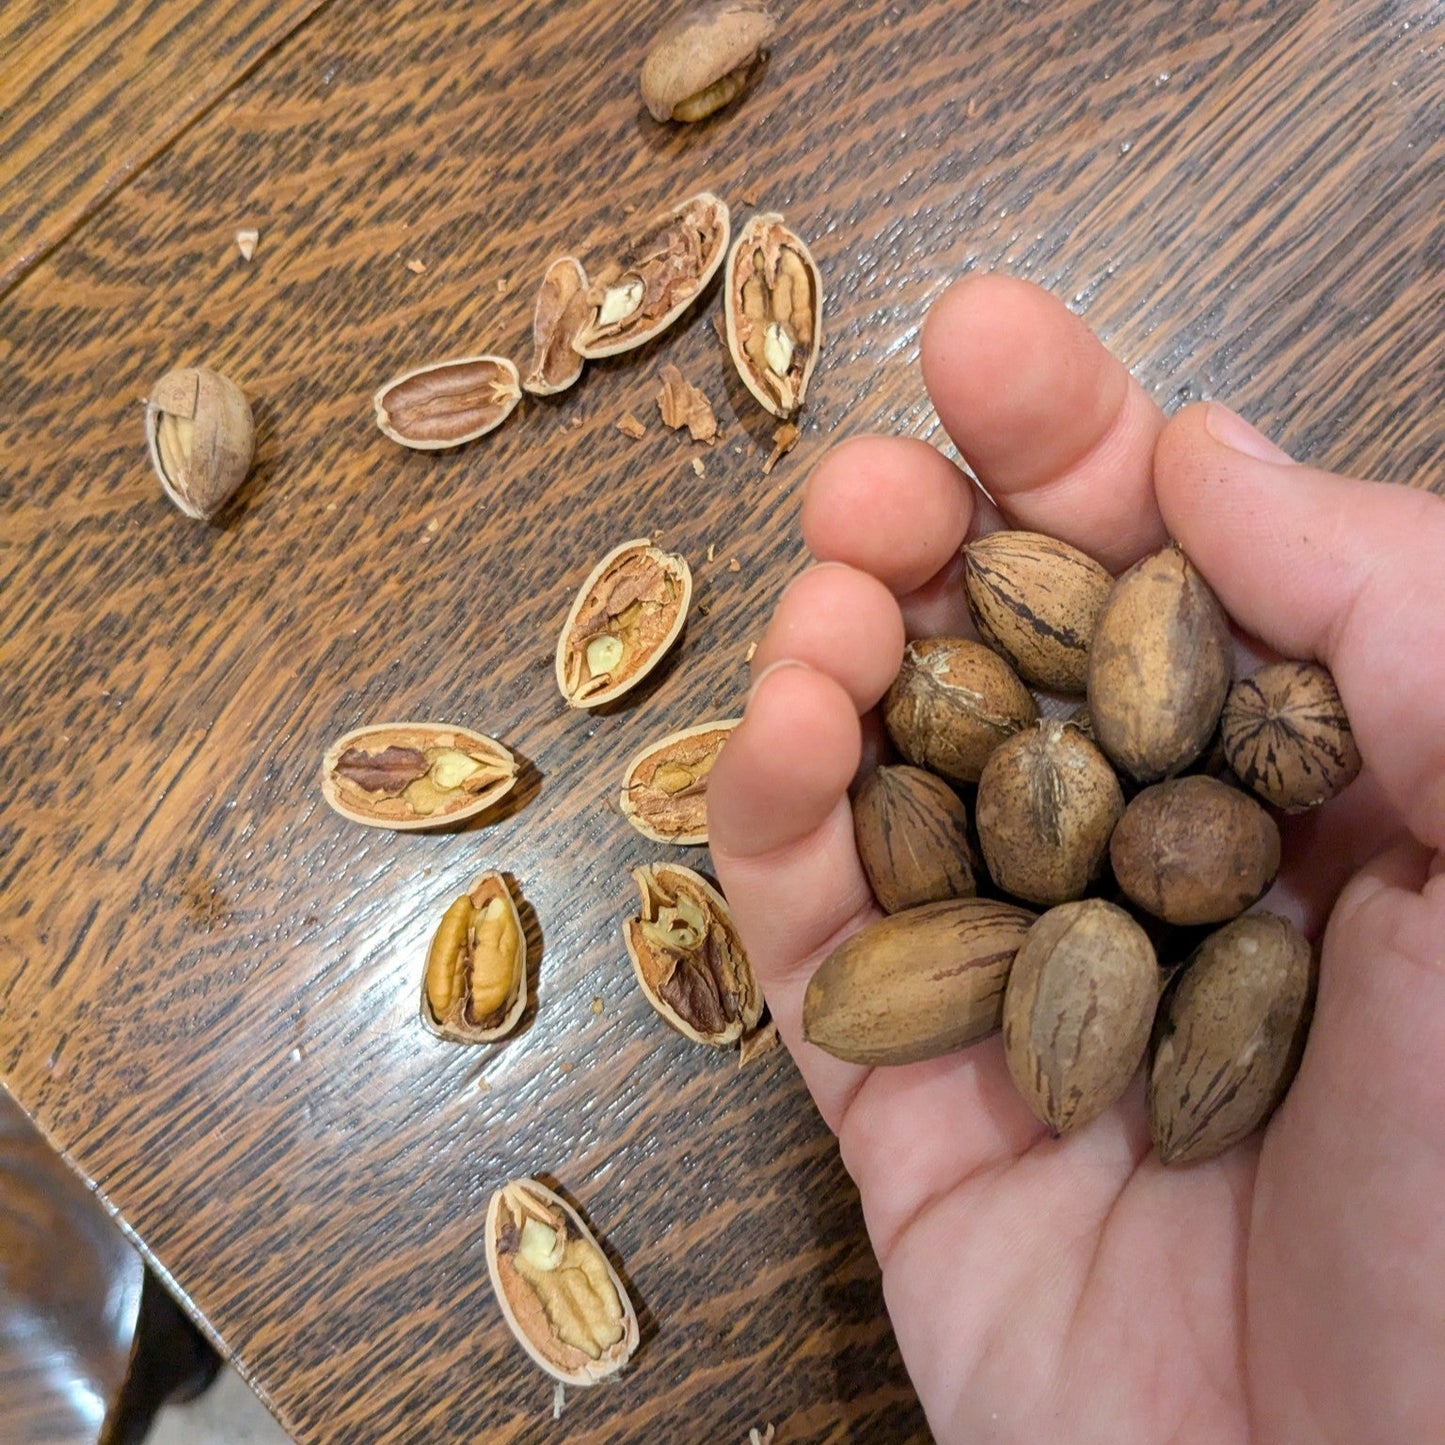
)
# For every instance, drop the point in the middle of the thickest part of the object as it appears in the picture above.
(209, 980)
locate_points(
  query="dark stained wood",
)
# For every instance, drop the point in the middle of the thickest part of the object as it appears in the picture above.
(89, 92)
(209, 980)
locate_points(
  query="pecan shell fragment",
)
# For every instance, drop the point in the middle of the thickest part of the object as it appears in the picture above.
(664, 787)
(562, 310)
(447, 403)
(656, 277)
(415, 775)
(558, 1292)
(475, 986)
(627, 614)
(688, 957)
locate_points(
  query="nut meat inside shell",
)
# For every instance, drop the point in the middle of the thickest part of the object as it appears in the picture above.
(558, 1291)
(664, 787)
(705, 58)
(656, 278)
(415, 775)
(627, 614)
(475, 986)
(773, 310)
(688, 957)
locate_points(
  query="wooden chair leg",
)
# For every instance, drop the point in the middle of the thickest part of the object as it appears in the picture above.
(70, 1289)
(171, 1362)
(91, 1345)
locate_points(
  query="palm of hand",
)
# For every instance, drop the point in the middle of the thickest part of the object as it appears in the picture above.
(1076, 1289)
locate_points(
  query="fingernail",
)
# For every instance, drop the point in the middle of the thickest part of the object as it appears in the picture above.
(768, 671)
(1231, 430)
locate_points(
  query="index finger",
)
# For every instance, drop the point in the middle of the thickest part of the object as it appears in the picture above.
(1058, 432)
(1056, 429)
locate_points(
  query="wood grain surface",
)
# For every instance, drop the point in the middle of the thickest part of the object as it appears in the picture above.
(209, 981)
(89, 92)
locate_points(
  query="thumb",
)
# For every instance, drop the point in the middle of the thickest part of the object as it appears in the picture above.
(1325, 568)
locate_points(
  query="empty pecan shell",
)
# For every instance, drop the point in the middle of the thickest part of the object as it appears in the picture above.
(447, 403)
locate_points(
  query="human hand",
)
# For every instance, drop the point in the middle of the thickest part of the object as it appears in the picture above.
(1075, 1290)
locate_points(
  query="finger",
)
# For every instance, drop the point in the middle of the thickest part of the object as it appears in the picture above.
(1323, 849)
(893, 1148)
(841, 622)
(781, 835)
(940, 607)
(1330, 569)
(1058, 432)
(899, 510)
(1354, 1153)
